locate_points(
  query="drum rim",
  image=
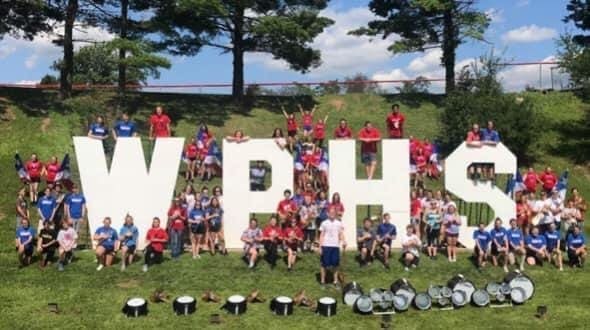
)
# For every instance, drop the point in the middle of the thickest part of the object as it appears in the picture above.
(367, 300)
(484, 293)
(423, 296)
(185, 300)
(236, 299)
(463, 295)
(406, 304)
(529, 280)
(285, 300)
(136, 302)
(522, 291)
(327, 300)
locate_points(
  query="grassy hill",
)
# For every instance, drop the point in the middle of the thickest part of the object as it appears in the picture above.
(34, 121)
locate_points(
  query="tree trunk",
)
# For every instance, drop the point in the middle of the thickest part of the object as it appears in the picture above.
(122, 51)
(238, 54)
(66, 72)
(449, 46)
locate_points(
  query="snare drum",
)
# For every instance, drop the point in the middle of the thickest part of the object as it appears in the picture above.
(351, 292)
(184, 305)
(423, 301)
(326, 306)
(480, 298)
(235, 305)
(282, 306)
(135, 307)
(363, 305)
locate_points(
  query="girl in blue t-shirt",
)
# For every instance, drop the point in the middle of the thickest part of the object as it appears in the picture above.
(106, 237)
(214, 217)
(197, 226)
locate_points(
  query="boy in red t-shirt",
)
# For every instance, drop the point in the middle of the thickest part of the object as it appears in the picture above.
(395, 123)
(343, 131)
(369, 136)
(156, 239)
(159, 124)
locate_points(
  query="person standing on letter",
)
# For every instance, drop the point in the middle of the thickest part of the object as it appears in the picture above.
(331, 237)
(395, 123)
(159, 124)
(369, 136)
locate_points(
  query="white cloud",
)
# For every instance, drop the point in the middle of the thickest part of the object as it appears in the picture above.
(42, 47)
(518, 77)
(342, 54)
(495, 15)
(426, 62)
(395, 74)
(529, 33)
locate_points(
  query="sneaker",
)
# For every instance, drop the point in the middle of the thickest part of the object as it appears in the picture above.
(60, 267)
(145, 268)
(505, 269)
(406, 269)
(413, 265)
(100, 267)
(561, 269)
(123, 267)
(251, 265)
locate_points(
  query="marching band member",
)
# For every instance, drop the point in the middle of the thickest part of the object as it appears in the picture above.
(105, 237)
(292, 237)
(271, 238)
(252, 237)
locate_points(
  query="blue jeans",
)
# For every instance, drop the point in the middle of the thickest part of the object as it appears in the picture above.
(175, 242)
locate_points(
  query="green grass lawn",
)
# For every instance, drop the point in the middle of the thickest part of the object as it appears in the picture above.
(35, 122)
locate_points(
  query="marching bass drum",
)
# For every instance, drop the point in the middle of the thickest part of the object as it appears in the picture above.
(401, 303)
(459, 298)
(423, 301)
(135, 307)
(184, 305)
(281, 305)
(516, 279)
(459, 282)
(518, 295)
(327, 306)
(351, 292)
(434, 291)
(363, 305)
(480, 298)
(402, 287)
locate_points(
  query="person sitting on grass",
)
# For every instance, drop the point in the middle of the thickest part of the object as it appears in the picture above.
(553, 237)
(482, 240)
(252, 237)
(331, 238)
(67, 239)
(271, 238)
(433, 219)
(536, 245)
(293, 237)
(499, 244)
(386, 234)
(105, 237)
(155, 240)
(366, 242)
(24, 242)
(128, 235)
(576, 248)
(46, 244)
(410, 248)
(516, 244)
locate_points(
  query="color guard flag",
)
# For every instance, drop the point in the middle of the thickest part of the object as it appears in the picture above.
(20, 168)
(561, 186)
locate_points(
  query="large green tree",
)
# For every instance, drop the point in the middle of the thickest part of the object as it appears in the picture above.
(283, 28)
(22, 18)
(574, 49)
(427, 24)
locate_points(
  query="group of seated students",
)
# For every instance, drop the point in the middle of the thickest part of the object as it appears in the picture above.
(534, 248)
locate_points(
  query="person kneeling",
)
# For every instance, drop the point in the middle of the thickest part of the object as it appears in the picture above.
(252, 237)
(499, 244)
(155, 241)
(67, 239)
(293, 236)
(128, 236)
(24, 242)
(552, 237)
(46, 244)
(106, 238)
(386, 233)
(482, 243)
(576, 248)
(516, 244)
(410, 248)
(366, 241)
(536, 245)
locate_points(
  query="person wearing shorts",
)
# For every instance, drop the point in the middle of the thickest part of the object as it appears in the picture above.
(499, 244)
(25, 234)
(552, 237)
(46, 207)
(128, 236)
(252, 237)
(536, 246)
(516, 244)
(105, 238)
(75, 208)
(34, 167)
(386, 234)
(410, 248)
(433, 219)
(576, 248)
(331, 238)
(452, 223)
(198, 229)
(369, 136)
(46, 244)
(307, 119)
(21, 207)
(292, 237)
(482, 240)
(291, 125)
(214, 216)
(67, 239)
(272, 237)
(366, 242)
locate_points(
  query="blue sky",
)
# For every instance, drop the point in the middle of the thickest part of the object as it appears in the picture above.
(521, 30)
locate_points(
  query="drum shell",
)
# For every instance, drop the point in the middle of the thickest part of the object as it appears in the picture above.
(281, 308)
(235, 308)
(402, 284)
(327, 310)
(420, 296)
(184, 308)
(357, 310)
(459, 282)
(135, 311)
(522, 293)
(406, 305)
(493, 288)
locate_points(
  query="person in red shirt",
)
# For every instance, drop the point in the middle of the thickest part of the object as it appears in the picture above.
(549, 180)
(293, 236)
(343, 131)
(50, 170)
(369, 136)
(155, 239)
(291, 123)
(191, 153)
(272, 236)
(176, 223)
(530, 180)
(238, 137)
(319, 132)
(159, 124)
(415, 211)
(395, 123)
(421, 162)
(523, 214)
(336, 205)
(287, 208)
(34, 168)
(307, 119)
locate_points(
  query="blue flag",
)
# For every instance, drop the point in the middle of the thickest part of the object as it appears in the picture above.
(64, 169)
(20, 168)
(561, 186)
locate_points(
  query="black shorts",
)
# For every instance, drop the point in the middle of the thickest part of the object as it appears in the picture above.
(432, 237)
(198, 229)
(35, 179)
(292, 133)
(477, 251)
(131, 249)
(215, 227)
(29, 249)
(50, 251)
(368, 244)
(495, 251)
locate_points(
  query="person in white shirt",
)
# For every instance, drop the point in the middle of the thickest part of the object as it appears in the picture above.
(331, 238)
(556, 208)
(410, 248)
(570, 217)
(66, 238)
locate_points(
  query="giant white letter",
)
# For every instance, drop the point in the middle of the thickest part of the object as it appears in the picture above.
(392, 191)
(456, 182)
(128, 187)
(238, 200)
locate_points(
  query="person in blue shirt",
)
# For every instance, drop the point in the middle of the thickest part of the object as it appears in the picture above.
(204, 197)
(552, 237)
(124, 127)
(576, 248)
(214, 216)
(105, 238)
(46, 206)
(499, 244)
(536, 246)
(515, 244)
(75, 208)
(386, 233)
(128, 235)
(24, 242)
(97, 130)
(482, 240)
(196, 223)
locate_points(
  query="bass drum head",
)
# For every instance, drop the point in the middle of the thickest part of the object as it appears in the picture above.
(505, 288)
(400, 303)
(446, 292)
(236, 299)
(518, 295)
(459, 298)
(351, 296)
(136, 302)
(525, 284)
(493, 288)
(467, 287)
(363, 305)
(434, 291)
(185, 299)
(423, 301)
(480, 298)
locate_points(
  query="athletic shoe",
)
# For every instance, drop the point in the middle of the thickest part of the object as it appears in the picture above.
(406, 269)
(60, 267)
(251, 265)
(145, 268)
(505, 269)
(100, 267)
(123, 267)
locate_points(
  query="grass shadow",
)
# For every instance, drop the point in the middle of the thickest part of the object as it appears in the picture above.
(575, 144)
